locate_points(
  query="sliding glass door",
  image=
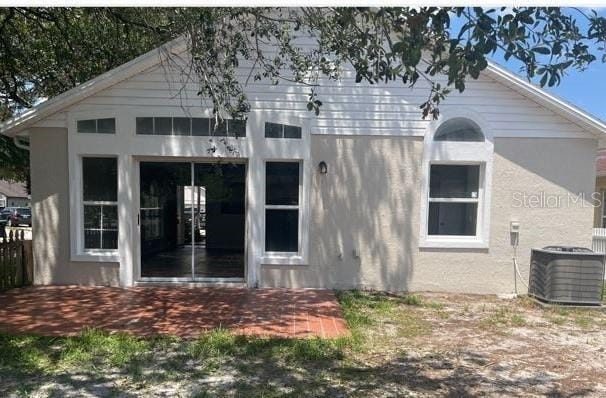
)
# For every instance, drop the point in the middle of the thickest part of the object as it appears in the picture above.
(192, 219)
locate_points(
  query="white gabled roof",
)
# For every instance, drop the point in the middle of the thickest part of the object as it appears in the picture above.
(13, 126)
(17, 124)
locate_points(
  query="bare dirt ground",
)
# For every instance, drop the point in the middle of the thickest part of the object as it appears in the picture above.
(421, 345)
(482, 345)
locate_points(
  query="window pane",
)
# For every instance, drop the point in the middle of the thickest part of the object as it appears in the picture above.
(110, 217)
(459, 129)
(200, 126)
(92, 216)
(182, 126)
(282, 183)
(110, 240)
(273, 130)
(92, 239)
(87, 126)
(218, 130)
(292, 131)
(106, 126)
(452, 218)
(237, 128)
(100, 179)
(281, 230)
(163, 125)
(454, 181)
(145, 125)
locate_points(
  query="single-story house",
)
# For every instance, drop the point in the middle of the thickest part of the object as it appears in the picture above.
(133, 184)
(13, 194)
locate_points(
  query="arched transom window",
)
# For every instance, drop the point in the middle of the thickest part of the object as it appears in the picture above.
(459, 129)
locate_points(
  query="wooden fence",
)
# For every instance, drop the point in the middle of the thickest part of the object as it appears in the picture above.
(16, 260)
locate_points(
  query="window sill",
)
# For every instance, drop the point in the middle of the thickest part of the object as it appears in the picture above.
(283, 260)
(452, 243)
(97, 257)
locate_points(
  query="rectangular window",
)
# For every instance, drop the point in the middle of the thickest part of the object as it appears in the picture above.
(100, 202)
(282, 189)
(186, 126)
(99, 126)
(200, 126)
(453, 200)
(275, 130)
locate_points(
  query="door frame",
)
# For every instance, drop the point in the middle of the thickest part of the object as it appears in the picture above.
(136, 241)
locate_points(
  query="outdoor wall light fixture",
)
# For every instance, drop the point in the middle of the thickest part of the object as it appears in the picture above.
(322, 167)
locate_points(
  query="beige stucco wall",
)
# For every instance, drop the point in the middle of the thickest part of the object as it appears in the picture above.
(50, 209)
(370, 201)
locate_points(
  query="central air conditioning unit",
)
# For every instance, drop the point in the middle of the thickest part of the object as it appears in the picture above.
(567, 275)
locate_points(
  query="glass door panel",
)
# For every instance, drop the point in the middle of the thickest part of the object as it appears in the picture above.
(220, 226)
(165, 220)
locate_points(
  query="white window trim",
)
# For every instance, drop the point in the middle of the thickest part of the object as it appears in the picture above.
(78, 251)
(458, 153)
(287, 150)
(96, 125)
(285, 258)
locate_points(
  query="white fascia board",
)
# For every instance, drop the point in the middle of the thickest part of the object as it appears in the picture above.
(18, 123)
(552, 102)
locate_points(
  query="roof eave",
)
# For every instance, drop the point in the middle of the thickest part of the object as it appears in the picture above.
(563, 108)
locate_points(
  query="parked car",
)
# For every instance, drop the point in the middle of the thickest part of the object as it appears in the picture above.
(15, 216)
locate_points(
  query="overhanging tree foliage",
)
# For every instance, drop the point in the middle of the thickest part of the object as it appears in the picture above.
(46, 51)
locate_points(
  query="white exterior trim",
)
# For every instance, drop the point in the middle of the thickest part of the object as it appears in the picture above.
(459, 153)
(130, 148)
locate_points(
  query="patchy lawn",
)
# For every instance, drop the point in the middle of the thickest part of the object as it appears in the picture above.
(413, 345)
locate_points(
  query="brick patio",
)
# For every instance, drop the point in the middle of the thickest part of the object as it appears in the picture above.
(181, 311)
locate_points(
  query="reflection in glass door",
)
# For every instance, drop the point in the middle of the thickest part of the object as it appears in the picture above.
(192, 227)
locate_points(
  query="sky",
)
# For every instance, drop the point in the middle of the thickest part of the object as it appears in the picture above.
(585, 89)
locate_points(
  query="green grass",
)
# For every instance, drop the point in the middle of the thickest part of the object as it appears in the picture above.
(503, 317)
(411, 299)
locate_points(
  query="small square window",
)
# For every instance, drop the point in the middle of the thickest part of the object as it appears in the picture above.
(182, 126)
(106, 126)
(218, 129)
(292, 131)
(145, 125)
(92, 216)
(237, 128)
(163, 126)
(87, 126)
(92, 239)
(273, 130)
(200, 126)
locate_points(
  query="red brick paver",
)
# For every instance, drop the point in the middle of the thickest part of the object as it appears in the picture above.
(180, 311)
